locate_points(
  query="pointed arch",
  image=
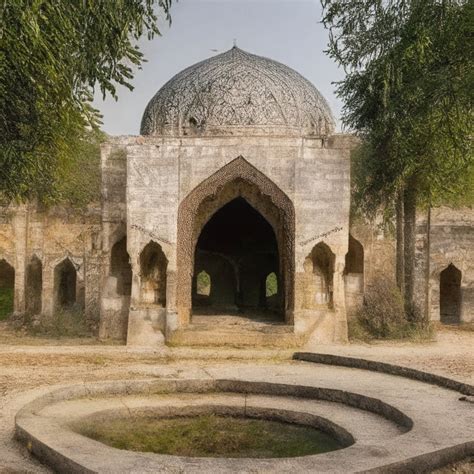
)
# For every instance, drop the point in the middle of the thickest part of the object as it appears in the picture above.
(153, 268)
(120, 267)
(450, 295)
(65, 284)
(319, 270)
(236, 179)
(354, 257)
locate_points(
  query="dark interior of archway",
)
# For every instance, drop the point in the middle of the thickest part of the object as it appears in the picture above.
(237, 249)
(34, 286)
(354, 257)
(7, 289)
(120, 267)
(450, 295)
(65, 284)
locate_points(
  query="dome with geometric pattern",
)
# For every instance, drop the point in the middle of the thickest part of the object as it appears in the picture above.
(237, 91)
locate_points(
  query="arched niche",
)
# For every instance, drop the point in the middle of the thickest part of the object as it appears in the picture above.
(153, 268)
(7, 289)
(319, 274)
(237, 180)
(450, 295)
(120, 267)
(354, 275)
(34, 286)
(65, 285)
(354, 257)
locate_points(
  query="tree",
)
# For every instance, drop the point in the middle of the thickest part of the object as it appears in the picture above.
(52, 56)
(408, 94)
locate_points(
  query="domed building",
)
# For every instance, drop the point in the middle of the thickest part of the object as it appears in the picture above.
(226, 222)
(233, 208)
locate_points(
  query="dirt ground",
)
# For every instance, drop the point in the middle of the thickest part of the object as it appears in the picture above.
(28, 363)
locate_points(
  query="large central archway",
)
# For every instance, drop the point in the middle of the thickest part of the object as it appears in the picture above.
(237, 249)
(240, 225)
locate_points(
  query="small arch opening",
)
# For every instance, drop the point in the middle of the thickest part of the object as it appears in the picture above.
(203, 284)
(34, 286)
(271, 291)
(354, 276)
(120, 267)
(319, 270)
(153, 267)
(354, 257)
(450, 295)
(65, 284)
(7, 289)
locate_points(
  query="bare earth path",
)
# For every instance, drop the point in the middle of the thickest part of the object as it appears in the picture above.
(26, 366)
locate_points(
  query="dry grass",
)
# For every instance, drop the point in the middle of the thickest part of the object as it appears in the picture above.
(210, 436)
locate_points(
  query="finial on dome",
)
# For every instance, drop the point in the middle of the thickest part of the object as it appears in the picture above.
(235, 43)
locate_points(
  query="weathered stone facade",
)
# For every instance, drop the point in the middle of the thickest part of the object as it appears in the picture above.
(240, 185)
(38, 243)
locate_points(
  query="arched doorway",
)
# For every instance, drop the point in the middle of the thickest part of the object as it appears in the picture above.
(65, 284)
(450, 295)
(7, 289)
(34, 286)
(262, 199)
(238, 247)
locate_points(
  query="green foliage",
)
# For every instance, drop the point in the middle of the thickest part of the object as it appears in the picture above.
(382, 316)
(209, 436)
(52, 56)
(271, 285)
(408, 94)
(203, 283)
(78, 178)
(6, 302)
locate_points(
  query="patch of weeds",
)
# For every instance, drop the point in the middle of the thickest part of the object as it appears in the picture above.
(66, 322)
(209, 436)
(382, 316)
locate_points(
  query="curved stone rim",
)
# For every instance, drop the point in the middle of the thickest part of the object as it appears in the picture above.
(50, 441)
(385, 368)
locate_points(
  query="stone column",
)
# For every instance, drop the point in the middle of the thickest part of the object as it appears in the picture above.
(422, 262)
(20, 230)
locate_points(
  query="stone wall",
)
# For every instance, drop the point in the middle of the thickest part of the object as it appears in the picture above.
(452, 243)
(449, 242)
(35, 241)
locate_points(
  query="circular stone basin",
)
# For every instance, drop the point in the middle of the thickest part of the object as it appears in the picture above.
(209, 435)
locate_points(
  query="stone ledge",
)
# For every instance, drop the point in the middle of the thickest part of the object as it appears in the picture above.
(357, 363)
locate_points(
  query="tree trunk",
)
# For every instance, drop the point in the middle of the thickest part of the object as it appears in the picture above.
(409, 211)
(400, 271)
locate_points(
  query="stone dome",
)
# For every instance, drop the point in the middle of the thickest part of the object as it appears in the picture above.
(237, 92)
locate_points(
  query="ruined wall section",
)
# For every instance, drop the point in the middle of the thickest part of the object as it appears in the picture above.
(53, 235)
(452, 242)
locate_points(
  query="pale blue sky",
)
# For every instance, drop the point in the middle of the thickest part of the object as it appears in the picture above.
(288, 31)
